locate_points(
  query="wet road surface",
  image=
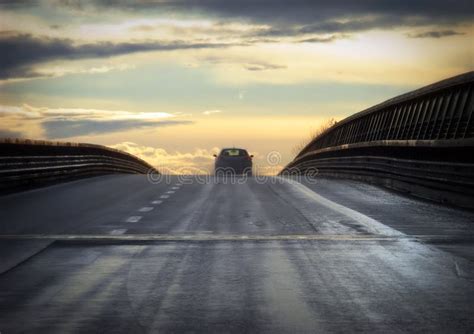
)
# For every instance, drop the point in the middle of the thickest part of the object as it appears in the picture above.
(118, 254)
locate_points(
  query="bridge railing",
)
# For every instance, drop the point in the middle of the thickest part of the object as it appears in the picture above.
(440, 111)
(29, 163)
(421, 142)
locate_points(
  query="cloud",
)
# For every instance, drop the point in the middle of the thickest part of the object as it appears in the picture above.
(200, 161)
(72, 128)
(23, 112)
(30, 112)
(5, 133)
(326, 39)
(71, 122)
(357, 24)
(19, 52)
(435, 34)
(296, 12)
(248, 63)
(277, 18)
(340, 26)
(57, 71)
(263, 67)
(210, 112)
(143, 27)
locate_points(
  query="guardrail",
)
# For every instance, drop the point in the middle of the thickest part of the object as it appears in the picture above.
(421, 142)
(30, 163)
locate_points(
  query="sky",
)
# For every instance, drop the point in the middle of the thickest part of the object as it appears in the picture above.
(175, 81)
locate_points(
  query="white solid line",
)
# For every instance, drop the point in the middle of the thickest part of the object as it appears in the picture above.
(157, 202)
(133, 219)
(146, 209)
(164, 196)
(118, 231)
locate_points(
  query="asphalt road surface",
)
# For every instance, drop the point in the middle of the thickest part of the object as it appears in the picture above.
(122, 255)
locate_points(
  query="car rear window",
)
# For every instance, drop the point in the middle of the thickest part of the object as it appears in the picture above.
(234, 152)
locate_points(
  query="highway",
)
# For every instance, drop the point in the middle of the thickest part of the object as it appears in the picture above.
(120, 254)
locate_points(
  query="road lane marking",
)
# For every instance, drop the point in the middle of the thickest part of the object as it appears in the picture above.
(165, 196)
(175, 188)
(170, 192)
(146, 209)
(133, 219)
(119, 231)
(156, 202)
(178, 184)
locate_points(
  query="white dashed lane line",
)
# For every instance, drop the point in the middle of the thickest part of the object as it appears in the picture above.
(119, 231)
(133, 219)
(146, 209)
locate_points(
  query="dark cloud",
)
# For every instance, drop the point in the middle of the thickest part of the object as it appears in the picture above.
(327, 16)
(435, 34)
(297, 11)
(284, 13)
(343, 28)
(334, 27)
(71, 128)
(360, 24)
(14, 4)
(4, 133)
(18, 52)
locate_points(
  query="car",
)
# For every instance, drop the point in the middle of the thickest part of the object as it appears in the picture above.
(233, 161)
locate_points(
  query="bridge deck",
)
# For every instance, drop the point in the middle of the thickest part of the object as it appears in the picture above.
(120, 253)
